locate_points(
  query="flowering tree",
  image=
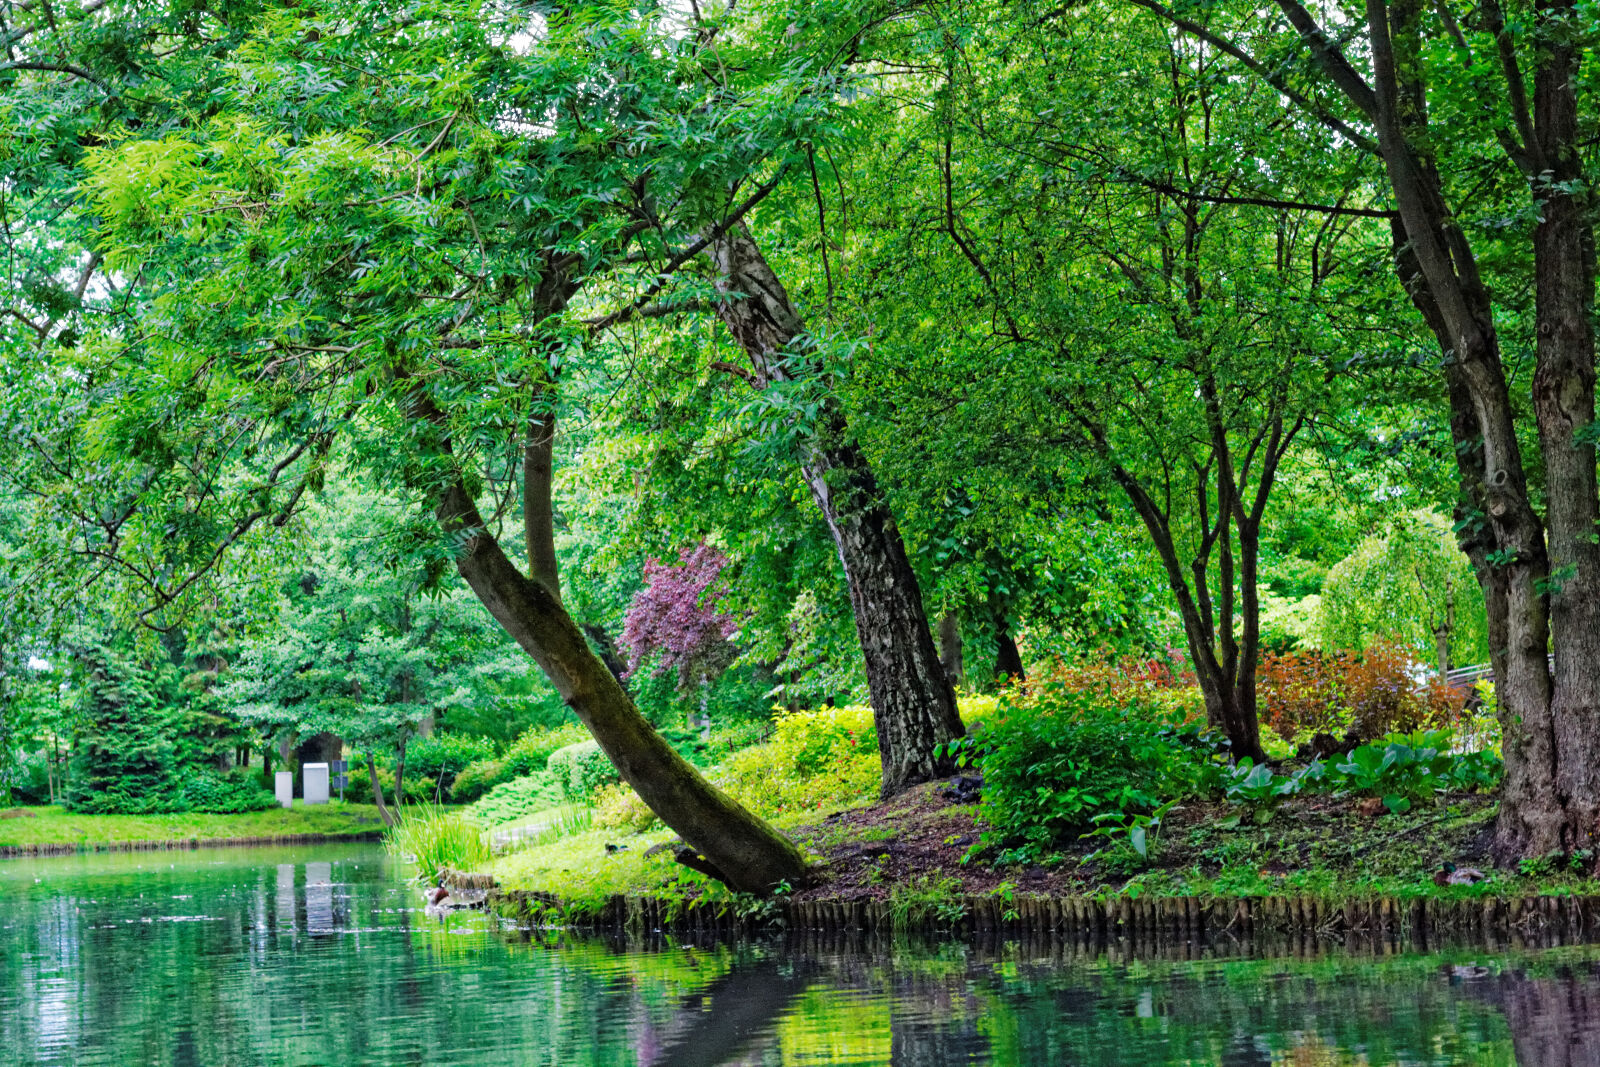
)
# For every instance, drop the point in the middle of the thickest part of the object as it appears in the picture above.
(676, 616)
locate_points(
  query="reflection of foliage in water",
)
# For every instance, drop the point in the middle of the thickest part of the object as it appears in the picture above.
(324, 955)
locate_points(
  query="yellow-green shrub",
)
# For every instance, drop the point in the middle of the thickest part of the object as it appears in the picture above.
(618, 807)
(816, 759)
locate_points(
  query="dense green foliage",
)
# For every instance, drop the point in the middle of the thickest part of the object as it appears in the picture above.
(1054, 762)
(1121, 312)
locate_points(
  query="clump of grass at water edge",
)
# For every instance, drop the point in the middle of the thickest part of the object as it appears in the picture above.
(435, 840)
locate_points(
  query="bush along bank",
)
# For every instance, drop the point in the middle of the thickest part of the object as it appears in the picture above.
(1079, 790)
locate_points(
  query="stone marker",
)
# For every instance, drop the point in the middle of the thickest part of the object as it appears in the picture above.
(314, 783)
(283, 783)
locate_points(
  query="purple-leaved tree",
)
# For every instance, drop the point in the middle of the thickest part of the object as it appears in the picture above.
(676, 616)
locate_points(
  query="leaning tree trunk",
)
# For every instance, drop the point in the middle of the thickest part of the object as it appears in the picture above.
(913, 702)
(377, 791)
(747, 853)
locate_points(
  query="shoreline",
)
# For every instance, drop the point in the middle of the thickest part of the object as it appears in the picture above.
(1534, 919)
(63, 848)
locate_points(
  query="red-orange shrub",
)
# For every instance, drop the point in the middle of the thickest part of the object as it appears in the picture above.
(1126, 683)
(1371, 693)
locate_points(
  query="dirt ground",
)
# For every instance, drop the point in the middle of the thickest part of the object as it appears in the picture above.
(921, 837)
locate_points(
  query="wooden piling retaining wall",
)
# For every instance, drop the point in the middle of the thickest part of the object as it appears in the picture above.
(1281, 920)
(170, 844)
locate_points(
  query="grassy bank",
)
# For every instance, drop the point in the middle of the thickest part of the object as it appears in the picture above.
(50, 828)
(918, 851)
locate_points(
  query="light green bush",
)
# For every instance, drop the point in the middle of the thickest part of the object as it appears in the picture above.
(478, 778)
(581, 769)
(531, 752)
(516, 798)
(433, 841)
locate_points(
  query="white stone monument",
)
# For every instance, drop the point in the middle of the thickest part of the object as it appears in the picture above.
(283, 783)
(314, 783)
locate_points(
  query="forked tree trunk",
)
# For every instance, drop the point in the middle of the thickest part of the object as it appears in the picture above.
(913, 703)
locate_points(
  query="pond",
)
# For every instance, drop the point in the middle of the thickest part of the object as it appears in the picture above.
(322, 955)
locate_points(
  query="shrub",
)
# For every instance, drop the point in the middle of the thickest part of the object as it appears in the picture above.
(1056, 758)
(516, 798)
(123, 762)
(210, 791)
(618, 807)
(433, 841)
(582, 768)
(1370, 693)
(822, 758)
(1399, 768)
(478, 778)
(531, 752)
(445, 755)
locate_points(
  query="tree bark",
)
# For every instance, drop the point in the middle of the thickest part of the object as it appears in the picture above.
(950, 649)
(377, 791)
(1564, 409)
(752, 856)
(1007, 656)
(538, 482)
(913, 702)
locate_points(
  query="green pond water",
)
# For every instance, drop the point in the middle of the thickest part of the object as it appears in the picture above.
(323, 955)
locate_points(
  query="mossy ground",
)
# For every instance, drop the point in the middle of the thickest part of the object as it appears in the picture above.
(27, 828)
(1315, 845)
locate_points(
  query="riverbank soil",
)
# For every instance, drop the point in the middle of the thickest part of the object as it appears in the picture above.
(1312, 844)
(921, 842)
(25, 830)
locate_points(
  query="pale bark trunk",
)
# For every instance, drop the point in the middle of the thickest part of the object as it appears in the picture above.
(377, 790)
(912, 700)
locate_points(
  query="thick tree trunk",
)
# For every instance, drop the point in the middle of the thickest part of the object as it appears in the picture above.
(912, 701)
(950, 649)
(750, 855)
(1564, 407)
(1514, 571)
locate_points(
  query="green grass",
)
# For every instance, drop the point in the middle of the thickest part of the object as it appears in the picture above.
(434, 839)
(57, 826)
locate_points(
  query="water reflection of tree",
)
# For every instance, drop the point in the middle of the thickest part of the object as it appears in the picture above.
(1554, 1019)
(730, 1015)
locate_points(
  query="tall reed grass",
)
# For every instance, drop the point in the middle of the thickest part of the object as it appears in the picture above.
(434, 840)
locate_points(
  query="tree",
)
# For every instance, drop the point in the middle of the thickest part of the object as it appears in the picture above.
(424, 247)
(913, 701)
(1410, 583)
(1444, 105)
